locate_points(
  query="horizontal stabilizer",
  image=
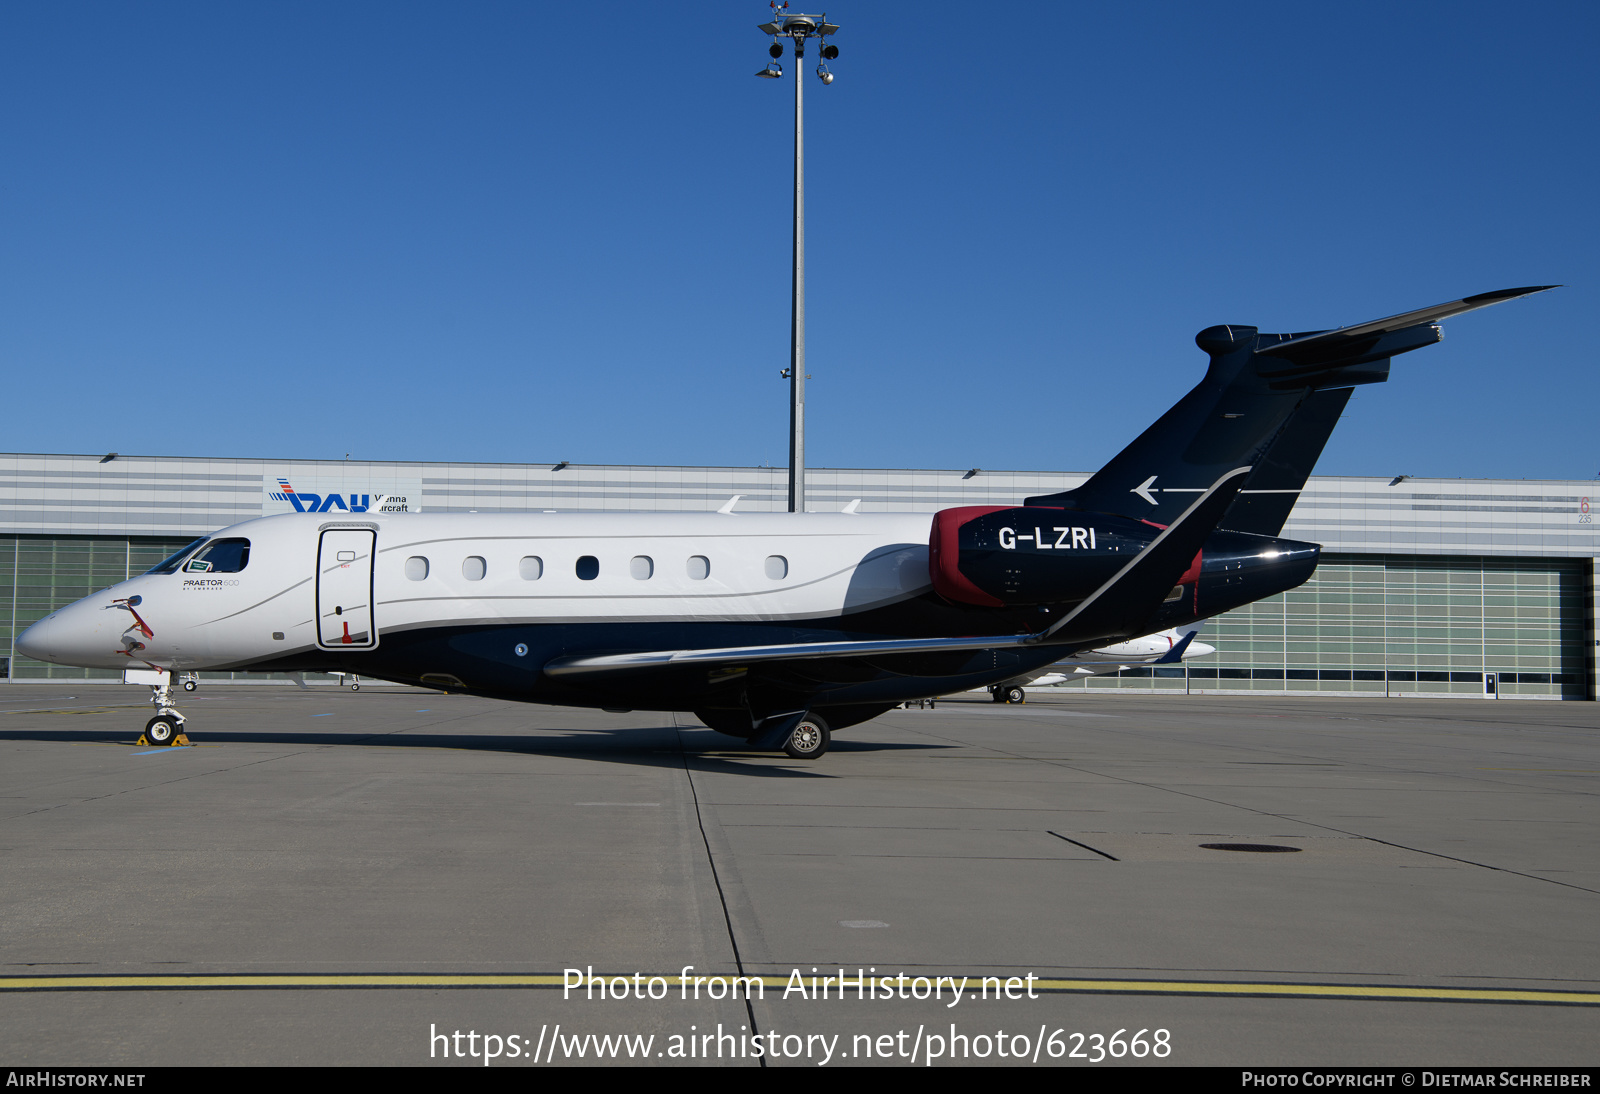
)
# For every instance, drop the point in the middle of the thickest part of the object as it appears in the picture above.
(1324, 344)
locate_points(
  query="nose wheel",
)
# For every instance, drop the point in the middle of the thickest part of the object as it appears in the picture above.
(166, 728)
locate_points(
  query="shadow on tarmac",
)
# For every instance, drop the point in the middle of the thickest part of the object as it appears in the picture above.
(651, 746)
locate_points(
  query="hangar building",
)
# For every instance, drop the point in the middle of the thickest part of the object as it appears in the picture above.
(1469, 587)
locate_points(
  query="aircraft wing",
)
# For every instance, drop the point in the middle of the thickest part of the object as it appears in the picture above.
(594, 665)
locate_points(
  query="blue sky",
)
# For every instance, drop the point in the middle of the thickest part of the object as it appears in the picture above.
(528, 232)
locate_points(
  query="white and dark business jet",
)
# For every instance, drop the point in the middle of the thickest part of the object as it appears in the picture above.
(776, 628)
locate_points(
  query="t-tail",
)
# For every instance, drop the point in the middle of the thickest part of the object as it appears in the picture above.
(1268, 402)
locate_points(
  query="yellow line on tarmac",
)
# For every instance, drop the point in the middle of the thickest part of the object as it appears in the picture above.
(209, 982)
(1323, 991)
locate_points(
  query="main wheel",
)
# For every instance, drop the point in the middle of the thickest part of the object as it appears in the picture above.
(997, 693)
(189, 685)
(163, 729)
(1016, 695)
(355, 687)
(809, 739)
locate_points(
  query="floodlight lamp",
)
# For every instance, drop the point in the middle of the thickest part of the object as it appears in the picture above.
(771, 72)
(824, 75)
(775, 50)
(830, 52)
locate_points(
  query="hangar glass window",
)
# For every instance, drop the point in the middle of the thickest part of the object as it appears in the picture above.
(641, 567)
(169, 565)
(531, 568)
(588, 568)
(473, 568)
(777, 567)
(220, 556)
(417, 568)
(699, 567)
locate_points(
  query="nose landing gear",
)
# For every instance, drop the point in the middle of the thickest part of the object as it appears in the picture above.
(166, 728)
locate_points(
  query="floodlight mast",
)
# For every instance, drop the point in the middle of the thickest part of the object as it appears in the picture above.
(798, 28)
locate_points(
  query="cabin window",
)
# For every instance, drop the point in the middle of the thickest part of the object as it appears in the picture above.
(473, 568)
(641, 567)
(588, 568)
(531, 568)
(220, 556)
(777, 567)
(417, 568)
(699, 567)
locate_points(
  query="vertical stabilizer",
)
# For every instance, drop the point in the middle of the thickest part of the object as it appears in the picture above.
(1268, 401)
(1272, 489)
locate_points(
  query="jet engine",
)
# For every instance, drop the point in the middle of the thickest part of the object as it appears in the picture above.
(1000, 556)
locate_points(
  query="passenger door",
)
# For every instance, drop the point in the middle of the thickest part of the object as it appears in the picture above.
(344, 589)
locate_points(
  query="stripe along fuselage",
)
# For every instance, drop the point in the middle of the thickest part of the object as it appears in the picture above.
(481, 602)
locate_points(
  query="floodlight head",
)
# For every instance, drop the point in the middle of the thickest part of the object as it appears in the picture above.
(771, 72)
(824, 75)
(830, 52)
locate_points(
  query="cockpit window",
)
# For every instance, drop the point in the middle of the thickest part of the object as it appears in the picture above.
(169, 565)
(220, 556)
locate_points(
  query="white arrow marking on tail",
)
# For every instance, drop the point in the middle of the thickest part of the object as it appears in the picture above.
(1143, 490)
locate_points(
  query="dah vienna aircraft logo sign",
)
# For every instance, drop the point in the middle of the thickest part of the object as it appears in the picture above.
(320, 494)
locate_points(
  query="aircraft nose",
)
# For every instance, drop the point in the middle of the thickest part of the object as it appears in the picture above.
(81, 634)
(35, 641)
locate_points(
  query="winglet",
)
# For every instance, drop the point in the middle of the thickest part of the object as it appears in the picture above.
(727, 506)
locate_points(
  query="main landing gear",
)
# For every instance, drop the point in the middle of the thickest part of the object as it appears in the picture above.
(166, 728)
(807, 741)
(1007, 694)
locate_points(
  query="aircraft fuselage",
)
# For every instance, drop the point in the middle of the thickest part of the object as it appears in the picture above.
(481, 602)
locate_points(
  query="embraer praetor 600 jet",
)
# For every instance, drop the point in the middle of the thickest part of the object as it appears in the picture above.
(776, 628)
